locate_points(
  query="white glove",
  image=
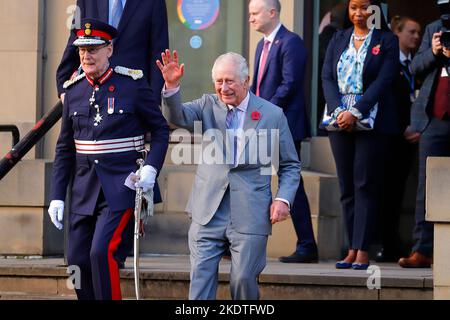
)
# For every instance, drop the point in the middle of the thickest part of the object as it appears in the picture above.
(147, 180)
(56, 212)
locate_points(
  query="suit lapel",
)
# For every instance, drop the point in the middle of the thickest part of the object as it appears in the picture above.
(103, 10)
(249, 123)
(257, 59)
(373, 42)
(273, 49)
(128, 11)
(220, 115)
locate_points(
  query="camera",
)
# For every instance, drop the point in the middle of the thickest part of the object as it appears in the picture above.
(444, 8)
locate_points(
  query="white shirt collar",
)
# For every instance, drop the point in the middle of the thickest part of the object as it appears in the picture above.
(403, 57)
(243, 105)
(272, 36)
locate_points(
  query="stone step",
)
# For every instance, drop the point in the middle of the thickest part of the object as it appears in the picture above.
(167, 277)
(26, 296)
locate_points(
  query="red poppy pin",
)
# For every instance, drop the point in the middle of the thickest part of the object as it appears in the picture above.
(111, 88)
(256, 115)
(376, 50)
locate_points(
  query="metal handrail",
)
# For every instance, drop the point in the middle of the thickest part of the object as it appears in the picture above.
(21, 147)
(14, 131)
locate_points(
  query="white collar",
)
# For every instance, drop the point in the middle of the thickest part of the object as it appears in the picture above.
(272, 36)
(403, 57)
(243, 105)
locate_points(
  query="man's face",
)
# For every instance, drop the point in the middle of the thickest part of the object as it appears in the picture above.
(409, 37)
(230, 88)
(95, 59)
(260, 17)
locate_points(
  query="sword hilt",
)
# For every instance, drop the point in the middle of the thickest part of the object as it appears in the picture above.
(140, 162)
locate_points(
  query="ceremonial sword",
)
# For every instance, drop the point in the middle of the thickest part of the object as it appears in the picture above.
(137, 229)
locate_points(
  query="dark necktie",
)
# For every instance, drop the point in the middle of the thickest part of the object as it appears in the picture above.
(408, 75)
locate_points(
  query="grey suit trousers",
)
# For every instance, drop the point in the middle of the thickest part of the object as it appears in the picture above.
(208, 243)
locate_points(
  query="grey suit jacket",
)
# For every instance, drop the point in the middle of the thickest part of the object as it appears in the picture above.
(425, 64)
(250, 191)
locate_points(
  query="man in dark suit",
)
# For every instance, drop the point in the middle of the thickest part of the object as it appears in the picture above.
(280, 63)
(143, 35)
(430, 115)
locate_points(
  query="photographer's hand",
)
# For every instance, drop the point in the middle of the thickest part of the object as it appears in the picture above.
(446, 52)
(436, 44)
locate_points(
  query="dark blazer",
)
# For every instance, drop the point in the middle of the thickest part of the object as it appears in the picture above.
(143, 35)
(426, 65)
(282, 80)
(379, 73)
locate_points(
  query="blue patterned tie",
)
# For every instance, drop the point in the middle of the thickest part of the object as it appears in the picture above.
(117, 13)
(232, 124)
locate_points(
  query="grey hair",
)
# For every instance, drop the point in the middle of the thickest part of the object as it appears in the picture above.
(235, 58)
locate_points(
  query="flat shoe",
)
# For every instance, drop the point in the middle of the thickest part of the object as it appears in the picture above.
(360, 266)
(343, 265)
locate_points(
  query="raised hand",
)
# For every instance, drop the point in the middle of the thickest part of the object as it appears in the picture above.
(171, 70)
(436, 44)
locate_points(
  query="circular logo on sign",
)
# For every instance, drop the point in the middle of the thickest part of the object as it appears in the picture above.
(196, 42)
(198, 14)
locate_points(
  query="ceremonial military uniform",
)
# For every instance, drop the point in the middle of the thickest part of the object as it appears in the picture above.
(102, 132)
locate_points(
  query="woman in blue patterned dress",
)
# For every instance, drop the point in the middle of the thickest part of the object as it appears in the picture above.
(359, 69)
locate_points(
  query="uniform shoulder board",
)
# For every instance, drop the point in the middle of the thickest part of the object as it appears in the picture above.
(133, 73)
(68, 83)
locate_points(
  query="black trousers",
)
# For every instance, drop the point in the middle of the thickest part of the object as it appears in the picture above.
(359, 158)
(301, 217)
(434, 142)
(401, 161)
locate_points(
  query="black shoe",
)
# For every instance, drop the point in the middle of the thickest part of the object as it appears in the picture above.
(300, 258)
(121, 265)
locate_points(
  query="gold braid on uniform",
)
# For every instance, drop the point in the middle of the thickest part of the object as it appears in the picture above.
(133, 73)
(68, 83)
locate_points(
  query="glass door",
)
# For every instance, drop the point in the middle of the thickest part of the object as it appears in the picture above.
(201, 30)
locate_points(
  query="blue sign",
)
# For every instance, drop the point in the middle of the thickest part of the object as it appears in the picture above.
(198, 14)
